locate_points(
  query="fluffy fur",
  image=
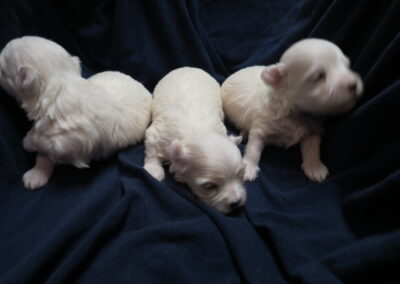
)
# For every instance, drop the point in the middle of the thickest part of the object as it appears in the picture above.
(74, 119)
(188, 132)
(282, 104)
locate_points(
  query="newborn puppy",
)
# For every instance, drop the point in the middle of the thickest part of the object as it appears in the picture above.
(284, 103)
(188, 132)
(74, 120)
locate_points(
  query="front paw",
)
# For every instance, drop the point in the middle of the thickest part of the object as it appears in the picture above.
(155, 170)
(315, 171)
(236, 139)
(251, 172)
(35, 178)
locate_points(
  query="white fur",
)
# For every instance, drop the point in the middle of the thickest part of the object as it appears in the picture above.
(282, 104)
(188, 132)
(74, 119)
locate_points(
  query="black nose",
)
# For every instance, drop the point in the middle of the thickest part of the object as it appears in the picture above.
(234, 205)
(353, 88)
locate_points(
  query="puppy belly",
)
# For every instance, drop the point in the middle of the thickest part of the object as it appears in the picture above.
(285, 133)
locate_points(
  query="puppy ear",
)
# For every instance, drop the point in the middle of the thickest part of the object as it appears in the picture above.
(178, 152)
(28, 79)
(179, 156)
(274, 75)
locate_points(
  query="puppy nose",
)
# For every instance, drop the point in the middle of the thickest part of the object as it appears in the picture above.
(234, 205)
(352, 88)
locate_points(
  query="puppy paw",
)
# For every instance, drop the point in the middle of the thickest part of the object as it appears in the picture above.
(236, 139)
(155, 170)
(315, 171)
(251, 172)
(35, 178)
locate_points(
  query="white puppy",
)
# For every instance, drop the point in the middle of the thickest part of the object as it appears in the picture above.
(188, 132)
(74, 120)
(283, 104)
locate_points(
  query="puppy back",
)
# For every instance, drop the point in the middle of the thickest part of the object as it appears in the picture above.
(243, 94)
(190, 91)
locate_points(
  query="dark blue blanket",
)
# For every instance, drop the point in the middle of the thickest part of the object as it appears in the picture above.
(113, 223)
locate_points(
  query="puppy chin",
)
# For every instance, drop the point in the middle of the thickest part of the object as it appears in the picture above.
(325, 101)
(224, 209)
(341, 103)
(230, 203)
(227, 197)
(329, 109)
(224, 206)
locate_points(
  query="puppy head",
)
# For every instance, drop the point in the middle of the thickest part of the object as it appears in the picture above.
(315, 77)
(27, 63)
(213, 169)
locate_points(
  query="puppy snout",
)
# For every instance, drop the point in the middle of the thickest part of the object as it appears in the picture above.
(352, 87)
(237, 202)
(234, 204)
(349, 85)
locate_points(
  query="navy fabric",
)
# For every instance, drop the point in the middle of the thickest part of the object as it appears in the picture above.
(113, 223)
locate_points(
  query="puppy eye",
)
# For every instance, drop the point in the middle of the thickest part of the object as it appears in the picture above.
(318, 77)
(209, 186)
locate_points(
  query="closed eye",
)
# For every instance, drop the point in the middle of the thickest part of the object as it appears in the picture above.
(209, 186)
(318, 76)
